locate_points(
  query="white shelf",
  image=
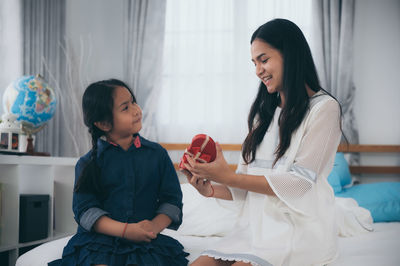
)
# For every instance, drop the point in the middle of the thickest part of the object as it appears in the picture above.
(53, 176)
(37, 160)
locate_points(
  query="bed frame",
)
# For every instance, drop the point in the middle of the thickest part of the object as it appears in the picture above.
(345, 148)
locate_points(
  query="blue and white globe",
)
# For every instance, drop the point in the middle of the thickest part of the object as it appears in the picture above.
(31, 100)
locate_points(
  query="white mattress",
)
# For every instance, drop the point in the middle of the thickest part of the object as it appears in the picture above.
(380, 247)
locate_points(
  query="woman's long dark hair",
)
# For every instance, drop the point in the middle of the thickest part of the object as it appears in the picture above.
(97, 106)
(298, 70)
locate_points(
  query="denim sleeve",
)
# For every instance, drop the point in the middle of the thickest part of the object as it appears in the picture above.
(171, 211)
(83, 202)
(170, 196)
(89, 217)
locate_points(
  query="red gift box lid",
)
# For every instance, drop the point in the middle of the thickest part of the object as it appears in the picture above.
(202, 149)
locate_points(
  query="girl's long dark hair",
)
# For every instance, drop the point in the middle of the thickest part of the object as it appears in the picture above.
(298, 70)
(97, 106)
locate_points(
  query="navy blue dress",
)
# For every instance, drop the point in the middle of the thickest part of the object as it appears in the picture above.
(139, 184)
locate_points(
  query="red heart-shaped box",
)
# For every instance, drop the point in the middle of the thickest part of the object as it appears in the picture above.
(202, 149)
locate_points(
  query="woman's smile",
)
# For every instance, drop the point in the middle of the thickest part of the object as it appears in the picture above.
(266, 80)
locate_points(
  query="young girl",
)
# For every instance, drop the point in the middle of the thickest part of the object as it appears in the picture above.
(288, 214)
(126, 188)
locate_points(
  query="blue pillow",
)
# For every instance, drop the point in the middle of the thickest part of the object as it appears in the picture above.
(340, 175)
(381, 199)
(334, 181)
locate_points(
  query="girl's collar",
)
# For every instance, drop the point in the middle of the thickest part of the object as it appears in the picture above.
(136, 141)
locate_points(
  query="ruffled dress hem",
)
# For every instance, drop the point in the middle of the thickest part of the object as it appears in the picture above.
(243, 257)
(102, 249)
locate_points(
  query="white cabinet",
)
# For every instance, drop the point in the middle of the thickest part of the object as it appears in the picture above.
(53, 176)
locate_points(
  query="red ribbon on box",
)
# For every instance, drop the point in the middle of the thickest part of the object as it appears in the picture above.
(202, 149)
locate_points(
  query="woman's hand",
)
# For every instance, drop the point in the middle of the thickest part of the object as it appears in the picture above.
(136, 232)
(217, 171)
(202, 185)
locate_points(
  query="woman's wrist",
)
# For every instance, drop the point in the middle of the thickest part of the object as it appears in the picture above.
(222, 192)
(212, 192)
(233, 179)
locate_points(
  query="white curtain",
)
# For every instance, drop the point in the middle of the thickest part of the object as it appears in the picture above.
(144, 22)
(208, 81)
(333, 46)
(43, 27)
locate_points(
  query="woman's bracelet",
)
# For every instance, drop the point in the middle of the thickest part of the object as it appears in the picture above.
(123, 232)
(212, 193)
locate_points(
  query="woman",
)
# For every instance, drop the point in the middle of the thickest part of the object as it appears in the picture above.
(287, 216)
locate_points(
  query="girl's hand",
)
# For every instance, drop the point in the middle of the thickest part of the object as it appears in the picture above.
(217, 171)
(202, 185)
(147, 226)
(136, 233)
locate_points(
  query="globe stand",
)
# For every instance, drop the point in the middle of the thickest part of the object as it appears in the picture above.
(30, 149)
(29, 146)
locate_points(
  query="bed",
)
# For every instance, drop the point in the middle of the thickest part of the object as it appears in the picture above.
(378, 247)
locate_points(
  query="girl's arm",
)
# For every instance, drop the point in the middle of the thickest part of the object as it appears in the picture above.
(132, 231)
(159, 223)
(169, 194)
(107, 226)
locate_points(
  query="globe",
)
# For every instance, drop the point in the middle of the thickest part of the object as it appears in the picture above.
(31, 100)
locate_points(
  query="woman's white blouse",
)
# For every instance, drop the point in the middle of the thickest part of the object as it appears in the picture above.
(297, 226)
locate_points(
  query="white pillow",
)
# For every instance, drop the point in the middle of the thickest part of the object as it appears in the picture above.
(44, 253)
(206, 216)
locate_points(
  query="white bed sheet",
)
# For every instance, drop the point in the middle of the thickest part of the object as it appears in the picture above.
(380, 247)
(377, 248)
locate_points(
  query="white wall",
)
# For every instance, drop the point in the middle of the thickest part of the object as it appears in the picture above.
(376, 76)
(10, 45)
(377, 70)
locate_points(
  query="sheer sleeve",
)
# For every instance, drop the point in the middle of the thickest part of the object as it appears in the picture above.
(239, 194)
(313, 160)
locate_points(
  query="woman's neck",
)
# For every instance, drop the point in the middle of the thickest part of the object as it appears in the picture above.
(282, 103)
(310, 93)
